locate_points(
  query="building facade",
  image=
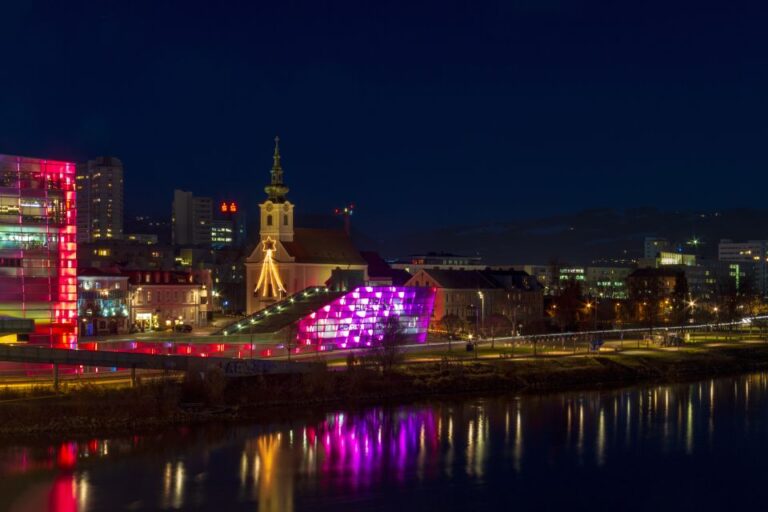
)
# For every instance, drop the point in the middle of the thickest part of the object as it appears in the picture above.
(38, 246)
(126, 255)
(474, 296)
(222, 233)
(436, 260)
(653, 245)
(102, 302)
(358, 319)
(100, 200)
(607, 282)
(752, 260)
(288, 260)
(161, 300)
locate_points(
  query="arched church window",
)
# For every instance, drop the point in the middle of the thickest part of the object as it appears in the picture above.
(269, 220)
(285, 220)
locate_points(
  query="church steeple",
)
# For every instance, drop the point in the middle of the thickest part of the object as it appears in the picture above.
(276, 190)
(277, 210)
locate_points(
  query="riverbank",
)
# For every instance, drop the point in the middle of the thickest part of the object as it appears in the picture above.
(87, 410)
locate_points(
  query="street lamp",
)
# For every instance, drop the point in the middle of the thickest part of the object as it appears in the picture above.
(482, 308)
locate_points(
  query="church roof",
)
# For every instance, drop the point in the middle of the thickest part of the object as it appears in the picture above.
(378, 269)
(323, 246)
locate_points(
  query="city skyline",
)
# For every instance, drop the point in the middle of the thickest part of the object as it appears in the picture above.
(558, 105)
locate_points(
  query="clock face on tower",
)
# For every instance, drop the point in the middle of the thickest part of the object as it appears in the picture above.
(286, 208)
(268, 207)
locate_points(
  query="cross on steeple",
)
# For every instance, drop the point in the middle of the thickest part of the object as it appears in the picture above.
(276, 190)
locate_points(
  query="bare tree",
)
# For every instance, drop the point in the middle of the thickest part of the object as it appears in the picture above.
(567, 304)
(452, 325)
(497, 324)
(389, 351)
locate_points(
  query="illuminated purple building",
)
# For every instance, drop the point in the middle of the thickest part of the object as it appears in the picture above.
(357, 318)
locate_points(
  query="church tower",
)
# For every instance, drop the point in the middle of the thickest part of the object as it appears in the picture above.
(276, 212)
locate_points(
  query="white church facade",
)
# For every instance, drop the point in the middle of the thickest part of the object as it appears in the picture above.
(287, 259)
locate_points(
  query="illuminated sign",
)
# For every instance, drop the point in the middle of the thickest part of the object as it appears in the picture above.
(228, 207)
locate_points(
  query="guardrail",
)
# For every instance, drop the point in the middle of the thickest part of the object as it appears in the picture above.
(231, 367)
(635, 330)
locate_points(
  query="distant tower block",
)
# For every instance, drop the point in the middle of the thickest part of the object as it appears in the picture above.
(346, 212)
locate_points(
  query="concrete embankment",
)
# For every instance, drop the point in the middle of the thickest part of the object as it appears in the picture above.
(89, 410)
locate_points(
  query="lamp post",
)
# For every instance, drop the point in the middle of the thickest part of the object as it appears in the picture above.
(692, 307)
(594, 316)
(482, 309)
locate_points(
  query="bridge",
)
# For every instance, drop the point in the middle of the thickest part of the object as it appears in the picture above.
(231, 367)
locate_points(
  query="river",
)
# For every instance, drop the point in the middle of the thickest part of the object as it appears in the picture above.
(693, 446)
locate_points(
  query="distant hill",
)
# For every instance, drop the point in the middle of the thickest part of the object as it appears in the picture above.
(584, 236)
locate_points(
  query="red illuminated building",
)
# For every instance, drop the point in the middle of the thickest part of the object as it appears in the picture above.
(38, 262)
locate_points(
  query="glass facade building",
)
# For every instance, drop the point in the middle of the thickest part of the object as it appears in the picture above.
(357, 319)
(38, 255)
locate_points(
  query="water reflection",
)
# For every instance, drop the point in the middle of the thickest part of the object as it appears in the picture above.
(377, 454)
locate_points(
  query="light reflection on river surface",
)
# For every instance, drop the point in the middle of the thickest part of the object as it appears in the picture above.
(702, 445)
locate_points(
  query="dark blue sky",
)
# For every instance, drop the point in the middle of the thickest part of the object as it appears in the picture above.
(414, 110)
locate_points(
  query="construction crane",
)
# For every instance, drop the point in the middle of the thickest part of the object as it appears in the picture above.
(346, 212)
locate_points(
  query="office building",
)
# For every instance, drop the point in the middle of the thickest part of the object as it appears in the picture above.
(752, 259)
(38, 247)
(191, 219)
(652, 246)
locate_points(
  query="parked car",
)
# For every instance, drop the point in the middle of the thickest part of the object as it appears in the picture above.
(182, 328)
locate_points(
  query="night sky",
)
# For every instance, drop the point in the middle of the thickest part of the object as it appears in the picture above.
(429, 114)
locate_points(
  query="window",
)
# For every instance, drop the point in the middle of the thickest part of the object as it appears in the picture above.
(269, 220)
(285, 220)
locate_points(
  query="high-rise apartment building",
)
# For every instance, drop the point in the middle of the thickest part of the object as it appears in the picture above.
(100, 199)
(38, 249)
(192, 218)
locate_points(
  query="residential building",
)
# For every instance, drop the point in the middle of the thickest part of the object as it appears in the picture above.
(102, 302)
(191, 219)
(475, 295)
(38, 246)
(380, 273)
(100, 199)
(163, 299)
